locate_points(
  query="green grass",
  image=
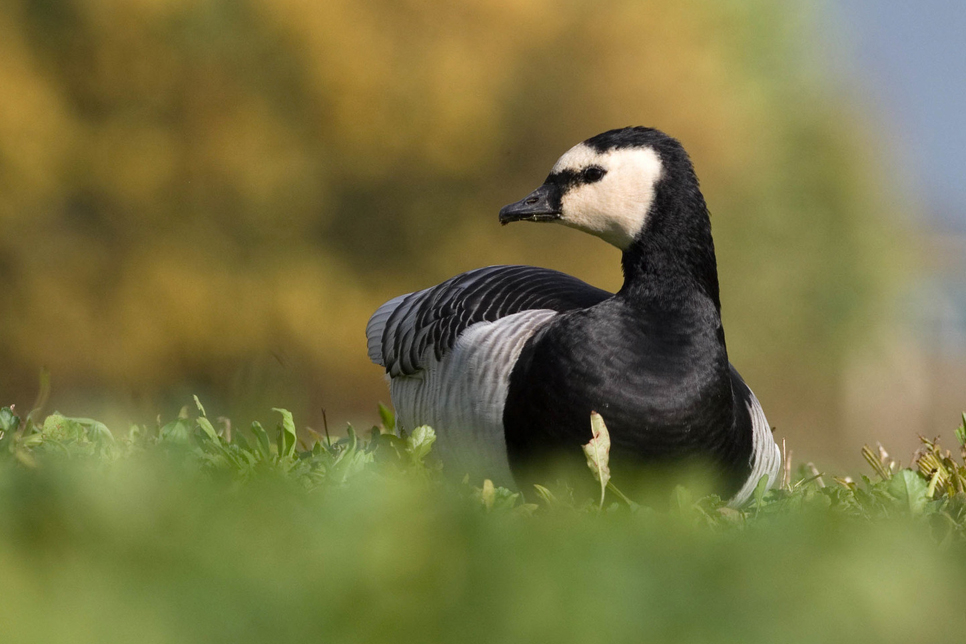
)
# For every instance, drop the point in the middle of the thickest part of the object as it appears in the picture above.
(192, 532)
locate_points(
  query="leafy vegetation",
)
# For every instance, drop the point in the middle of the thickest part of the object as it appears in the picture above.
(193, 530)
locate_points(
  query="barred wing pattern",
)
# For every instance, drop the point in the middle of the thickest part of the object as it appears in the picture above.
(403, 330)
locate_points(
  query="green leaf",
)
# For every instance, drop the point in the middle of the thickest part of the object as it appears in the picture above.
(623, 497)
(488, 494)
(205, 425)
(387, 417)
(177, 431)
(961, 432)
(9, 421)
(238, 439)
(682, 498)
(597, 452)
(760, 488)
(909, 488)
(352, 437)
(287, 436)
(58, 427)
(496, 498)
(200, 407)
(420, 442)
(545, 494)
(96, 430)
(262, 437)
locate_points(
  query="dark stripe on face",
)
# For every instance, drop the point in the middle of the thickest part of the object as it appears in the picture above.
(566, 180)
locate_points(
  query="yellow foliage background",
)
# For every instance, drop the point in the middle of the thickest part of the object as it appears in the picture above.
(211, 196)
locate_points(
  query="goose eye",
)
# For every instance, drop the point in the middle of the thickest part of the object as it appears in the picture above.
(593, 174)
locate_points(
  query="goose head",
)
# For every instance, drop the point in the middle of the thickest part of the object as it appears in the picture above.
(608, 185)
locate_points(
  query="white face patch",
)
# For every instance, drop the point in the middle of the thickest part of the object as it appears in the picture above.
(616, 207)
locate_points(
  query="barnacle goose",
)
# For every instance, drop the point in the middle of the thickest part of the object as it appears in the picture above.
(507, 362)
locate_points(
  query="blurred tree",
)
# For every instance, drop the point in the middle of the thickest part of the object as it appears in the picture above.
(194, 187)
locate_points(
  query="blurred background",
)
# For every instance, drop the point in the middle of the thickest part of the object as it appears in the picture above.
(211, 196)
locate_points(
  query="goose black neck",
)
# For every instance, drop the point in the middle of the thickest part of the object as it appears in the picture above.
(673, 258)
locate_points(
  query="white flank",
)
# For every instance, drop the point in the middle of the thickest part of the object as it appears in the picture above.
(462, 396)
(766, 458)
(616, 207)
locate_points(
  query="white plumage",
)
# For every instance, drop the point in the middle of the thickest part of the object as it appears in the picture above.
(766, 458)
(462, 395)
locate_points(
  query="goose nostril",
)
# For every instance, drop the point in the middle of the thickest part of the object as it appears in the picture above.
(531, 200)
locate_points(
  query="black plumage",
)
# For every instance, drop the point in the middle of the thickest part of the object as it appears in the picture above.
(651, 359)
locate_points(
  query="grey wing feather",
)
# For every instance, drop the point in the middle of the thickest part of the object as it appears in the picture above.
(376, 326)
(403, 330)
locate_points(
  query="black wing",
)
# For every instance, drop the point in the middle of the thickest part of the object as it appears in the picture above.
(403, 329)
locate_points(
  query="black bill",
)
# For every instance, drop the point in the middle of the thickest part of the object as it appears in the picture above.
(543, 204)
